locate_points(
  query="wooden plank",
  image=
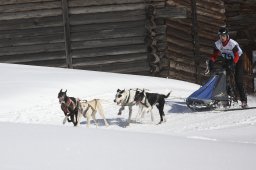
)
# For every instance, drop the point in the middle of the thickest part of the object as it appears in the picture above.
(31, 23)
(210, 20)
(173, 47)
(31, 32)
(79, 3)
(108, 26)
(31, 14)
(108, 59)
(171, 12)
(34, 40)
(67, 38)
(105, 34)
(109, 8)
(107, 42)
(30, 6)
(128, 49)
(9, 2)
(49, 63)
(120, 67)
(31, 49)
(23, 58)
(120, 16)
(180, 43)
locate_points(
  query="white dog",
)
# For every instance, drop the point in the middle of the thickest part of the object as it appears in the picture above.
(126, 98)
(88, 109)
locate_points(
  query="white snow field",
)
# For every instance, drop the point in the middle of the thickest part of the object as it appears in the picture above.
(34, 138)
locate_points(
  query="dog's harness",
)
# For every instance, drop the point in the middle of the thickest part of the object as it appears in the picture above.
(127, 98)
(90, 106)
(70, 105)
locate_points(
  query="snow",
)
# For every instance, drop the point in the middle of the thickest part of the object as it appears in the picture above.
(33, 136)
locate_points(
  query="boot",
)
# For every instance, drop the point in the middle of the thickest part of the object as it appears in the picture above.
(244, 104)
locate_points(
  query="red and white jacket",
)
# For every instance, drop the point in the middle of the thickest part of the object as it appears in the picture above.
(229, 50)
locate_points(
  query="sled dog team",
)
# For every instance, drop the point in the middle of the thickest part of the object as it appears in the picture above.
(74, 108)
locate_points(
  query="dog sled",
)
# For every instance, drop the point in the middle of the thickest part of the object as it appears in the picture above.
(218, 92)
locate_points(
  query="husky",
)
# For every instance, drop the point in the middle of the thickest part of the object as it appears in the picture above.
(146, 101)
(69, 107)
(88, 109)
(126, 98)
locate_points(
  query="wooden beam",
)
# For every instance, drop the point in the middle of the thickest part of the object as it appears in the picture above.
(171, 12)
(67, 33)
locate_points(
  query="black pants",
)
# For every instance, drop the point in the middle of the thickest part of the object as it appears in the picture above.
(239, 73)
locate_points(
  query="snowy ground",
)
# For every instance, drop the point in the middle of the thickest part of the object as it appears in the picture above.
(33, 136)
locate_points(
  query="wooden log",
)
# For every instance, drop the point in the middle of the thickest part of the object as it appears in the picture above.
(119, 16)
(180, 43)
(31, 49)
(108, 26)
(31, 14)
(173, 32)
(183, 24)
(34, 40)
(107, 42)
(119, 67)
(173, 49)
(211, 6)
(31, 23)
(101, 34)
(210, 21)
(49, 63)
(23, 58)
(30, 7)
(108, 59)
(128, 49)
(9, 2)
(67, 39)
(181, 58)
(182, 66)
(205, 12)
(171, 12)
(103, 9)
(30, 32)
(79, 3)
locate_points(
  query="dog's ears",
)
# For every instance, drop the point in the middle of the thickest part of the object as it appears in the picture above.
(66, 91)
(118, 90)
(60, 90)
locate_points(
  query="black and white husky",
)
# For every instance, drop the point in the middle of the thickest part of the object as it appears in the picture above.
(147, 100)
(126, 98)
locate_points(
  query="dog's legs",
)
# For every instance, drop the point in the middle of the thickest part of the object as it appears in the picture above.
(130, 115)
(76, 119)
(140, 110)
(88, 120)
(152, 115)
(101, 112)
(161, 112)
(79, 116)
(65, 120)
(120, 110)
(94, 118)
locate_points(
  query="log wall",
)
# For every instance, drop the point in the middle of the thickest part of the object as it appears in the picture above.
(190, 41)
(32, 32)
(241, 19)
(98, 35)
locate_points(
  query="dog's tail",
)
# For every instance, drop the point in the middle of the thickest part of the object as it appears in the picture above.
(166, 96)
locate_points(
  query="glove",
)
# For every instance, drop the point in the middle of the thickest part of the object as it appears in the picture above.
(209, 67)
